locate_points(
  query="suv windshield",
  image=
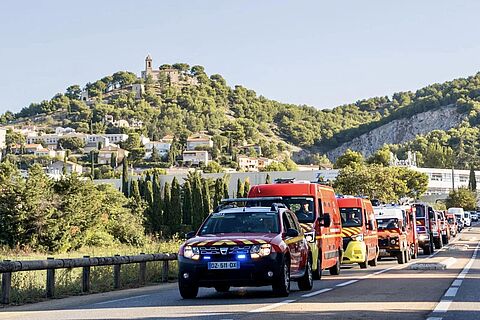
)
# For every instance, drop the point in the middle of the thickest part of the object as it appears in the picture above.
(351, 217)
(387, 223)
(241, 222)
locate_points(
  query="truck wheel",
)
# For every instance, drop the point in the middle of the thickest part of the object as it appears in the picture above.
(438, 243)
(281, 286)
(222, 288)
(187, 291)
(401, 257)
(317, 274)
(335, 270)
(415, 253)
(445, 239)
(427, 250)
(306, 282)
(374, 261)
(407, 255)
(432, 246)
(364, 264)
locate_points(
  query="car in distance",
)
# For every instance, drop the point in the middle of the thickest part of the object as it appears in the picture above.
(246, 246)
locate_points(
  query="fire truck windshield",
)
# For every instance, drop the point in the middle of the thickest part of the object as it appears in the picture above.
(387, 223)
(351, 217)
(420, 211)
(241, 222)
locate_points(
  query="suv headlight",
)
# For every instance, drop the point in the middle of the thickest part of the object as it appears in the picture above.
(394, 241)
(357, 237)
(260, 250)
(190, 252)
(310, 237)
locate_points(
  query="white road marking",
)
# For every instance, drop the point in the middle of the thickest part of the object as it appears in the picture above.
(442, 306)
(434, 318)
(311, 294)
(343, 284)
(456, 283)
(451, 292)
(272, 306)
(124, 299)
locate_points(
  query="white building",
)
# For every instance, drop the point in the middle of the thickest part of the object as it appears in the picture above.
(199, 140)
(195, 157)
(61, 130)
(56, 168)
(247, 163)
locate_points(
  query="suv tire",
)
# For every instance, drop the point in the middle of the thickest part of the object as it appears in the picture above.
(187, 291)
(305, 283)
(281, 285)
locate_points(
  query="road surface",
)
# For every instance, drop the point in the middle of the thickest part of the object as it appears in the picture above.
(388, 291)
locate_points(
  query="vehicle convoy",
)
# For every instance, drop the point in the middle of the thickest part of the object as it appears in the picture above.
(452, 222)
(359, 231)
(246, 246)
(396, 232)
(428, 228)
(317, 210)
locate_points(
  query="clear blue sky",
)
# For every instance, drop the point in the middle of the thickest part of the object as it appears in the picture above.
(306, 52)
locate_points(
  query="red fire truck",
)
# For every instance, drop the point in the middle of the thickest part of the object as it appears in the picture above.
(359, 231)
(396, 232)
(428, 228)
(317, 211)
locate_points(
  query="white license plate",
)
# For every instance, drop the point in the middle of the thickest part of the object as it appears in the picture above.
(224, 265)
(383, 252)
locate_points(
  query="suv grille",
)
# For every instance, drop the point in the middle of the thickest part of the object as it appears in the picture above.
(231, 250)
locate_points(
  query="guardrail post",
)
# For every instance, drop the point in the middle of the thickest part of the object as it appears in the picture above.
(50, 281)
(142, 271)
(165, 271)
(116, 275)
(86, 278)
(6, 286)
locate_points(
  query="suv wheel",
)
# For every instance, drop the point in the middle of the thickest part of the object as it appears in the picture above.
(401, 257)
(374, 261)
(305, 283)
(281, 286)
(187, 291)
(364, 264)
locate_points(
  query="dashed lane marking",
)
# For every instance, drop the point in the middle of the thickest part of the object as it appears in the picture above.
(442, 306)
(311, 294)
(343, 284)
(272, 306)
(451, 292)
(119, 300)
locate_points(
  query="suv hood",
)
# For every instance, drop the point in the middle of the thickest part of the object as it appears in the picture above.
(231, 239)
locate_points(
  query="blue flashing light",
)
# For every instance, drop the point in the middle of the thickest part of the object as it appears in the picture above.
(207, 258)
(241, 256)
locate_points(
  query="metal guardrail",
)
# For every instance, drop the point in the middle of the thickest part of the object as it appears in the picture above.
(50, 265)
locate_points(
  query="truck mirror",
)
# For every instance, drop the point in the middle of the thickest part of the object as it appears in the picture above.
(292, 233)
(325, 220)
(371, 225)
(190, 235)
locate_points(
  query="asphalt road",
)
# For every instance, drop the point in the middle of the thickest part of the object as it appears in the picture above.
(388, 291)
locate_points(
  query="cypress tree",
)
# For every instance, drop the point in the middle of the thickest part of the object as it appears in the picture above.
(125, 177)
(176, 204)
(157, 203)
(239, 188)
(167, 217)
(187, 203)
(148, 196)
(206, 199)
(218, 192)
(135, 193)
(113, 160)
(225, 189)
(472, 180)
(246, 187)
(197, 200)
(92, 164)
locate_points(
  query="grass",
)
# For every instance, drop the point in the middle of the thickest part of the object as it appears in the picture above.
(29, 286)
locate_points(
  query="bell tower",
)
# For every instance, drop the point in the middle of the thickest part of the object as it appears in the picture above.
(148, 65)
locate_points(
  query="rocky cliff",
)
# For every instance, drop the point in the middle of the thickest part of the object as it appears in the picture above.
(402, 130)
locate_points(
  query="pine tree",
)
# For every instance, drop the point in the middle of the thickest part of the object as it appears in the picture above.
(246, 187)
(135, 192)
(176, 204)
(187, 203)
(167, 208)
(92, 164)
(125, 177)
(472, 181)
(268, 180)
(240, 188)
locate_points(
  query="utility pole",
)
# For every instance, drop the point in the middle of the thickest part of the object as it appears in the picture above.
(453, 178)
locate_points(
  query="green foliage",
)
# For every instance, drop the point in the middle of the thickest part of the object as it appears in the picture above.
(383, 183)
(176, 204)
(462, 198)
(213, 167)
(71, 143)
(348, 159)
(240, 188)
(382, 157)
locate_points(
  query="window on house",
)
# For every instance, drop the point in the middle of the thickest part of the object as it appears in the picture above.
(436, 177)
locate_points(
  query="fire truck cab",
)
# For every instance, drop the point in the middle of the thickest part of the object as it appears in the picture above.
(396, 233)
(428, 228)
(359, 231)
(317, 211)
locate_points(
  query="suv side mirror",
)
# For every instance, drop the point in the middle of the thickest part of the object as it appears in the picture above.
(292, 233)
(190, 235)
(325, 221)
